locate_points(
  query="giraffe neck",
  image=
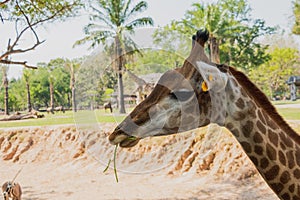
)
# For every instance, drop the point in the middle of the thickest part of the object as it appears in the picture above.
(270, 143)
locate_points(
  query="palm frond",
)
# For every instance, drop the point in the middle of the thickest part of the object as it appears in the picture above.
(139, 23)
(140, 7)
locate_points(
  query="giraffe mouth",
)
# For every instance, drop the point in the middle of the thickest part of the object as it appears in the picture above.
(124, 140)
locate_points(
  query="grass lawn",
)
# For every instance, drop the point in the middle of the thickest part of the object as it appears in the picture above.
(100, 116)
(81, 117)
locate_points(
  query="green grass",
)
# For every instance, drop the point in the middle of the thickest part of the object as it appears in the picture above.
(80, 117)
(289, 113)
(285, 102)
(99, 116)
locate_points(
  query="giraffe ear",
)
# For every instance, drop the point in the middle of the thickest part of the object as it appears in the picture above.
(214, 79)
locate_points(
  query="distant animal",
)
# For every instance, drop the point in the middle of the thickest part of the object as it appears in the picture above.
(59, 108)
(107, 105)
(11, 190)
(50, 109)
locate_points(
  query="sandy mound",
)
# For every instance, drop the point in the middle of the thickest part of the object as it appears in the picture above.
(65, 162)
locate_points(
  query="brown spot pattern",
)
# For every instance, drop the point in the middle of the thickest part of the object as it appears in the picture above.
(247, 129)
(257, 138)
(282, 157)
(290, 159)
(273, 137)
(285, 177)
(258, 150)
(297, 173)
(261, 127)
(271, 152)
(246, 146)
(292, 188)
(264, 163)
(240, 103)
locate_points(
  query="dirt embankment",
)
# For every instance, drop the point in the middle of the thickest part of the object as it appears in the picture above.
(66, 162)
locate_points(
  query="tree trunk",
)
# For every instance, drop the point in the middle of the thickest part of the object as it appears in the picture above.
(5, 84)
(51, 95)
(74, 108)
(214, 50)
(29, 107)
(119, 60)
(6, 97)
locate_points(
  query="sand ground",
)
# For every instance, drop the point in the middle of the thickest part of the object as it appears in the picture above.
(64, 162)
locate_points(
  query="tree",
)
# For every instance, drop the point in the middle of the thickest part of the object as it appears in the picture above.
(272, 75)
(26, 77)
(5, 85)
(231, 30)
(296, 26)
(72, 67)
(111, 19)
(27, 16)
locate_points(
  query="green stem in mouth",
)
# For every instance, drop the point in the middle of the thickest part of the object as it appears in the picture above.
(115, 165)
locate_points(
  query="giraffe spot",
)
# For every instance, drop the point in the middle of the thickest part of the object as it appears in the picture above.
(285, 177)
(297, 156)
(273, 137)
(235, 132)
(272, 173)
(258, 150)
(261, 127)
(282, 157)
(247, 129)
(241, 116)
(271, 152)
(240, 103)
(282, 146)
(257, 138)
(264, 163)
(246, 146)
(290, 159)
(277, 187)
(287, 141)
(285, 196)
(292, 188)
(229, 126)
(261, 117)
(297, 173)
(254, 160)
(296, 197)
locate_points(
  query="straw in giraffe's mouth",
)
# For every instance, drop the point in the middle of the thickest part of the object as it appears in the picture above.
(123, 140)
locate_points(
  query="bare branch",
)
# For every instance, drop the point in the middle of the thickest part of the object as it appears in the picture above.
(28, 22)
(4, 2)
(30, 25)
(24, 63)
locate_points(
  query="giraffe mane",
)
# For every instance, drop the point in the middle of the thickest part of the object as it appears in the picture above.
(262, 100)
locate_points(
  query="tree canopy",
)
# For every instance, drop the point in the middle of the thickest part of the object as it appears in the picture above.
(27, 16)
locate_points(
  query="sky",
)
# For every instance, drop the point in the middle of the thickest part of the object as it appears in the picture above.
(60, 37)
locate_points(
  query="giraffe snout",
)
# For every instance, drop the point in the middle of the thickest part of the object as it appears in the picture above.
(121, 138)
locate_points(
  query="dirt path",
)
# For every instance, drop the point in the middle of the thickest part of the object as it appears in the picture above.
(64, 163)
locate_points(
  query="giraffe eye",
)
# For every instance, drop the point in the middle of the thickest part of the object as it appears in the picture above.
(182, 95)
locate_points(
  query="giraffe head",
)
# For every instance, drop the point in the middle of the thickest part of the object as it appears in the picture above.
(181, 100)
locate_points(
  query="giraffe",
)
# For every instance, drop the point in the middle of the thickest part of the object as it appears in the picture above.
(200, 93)
(143, 89)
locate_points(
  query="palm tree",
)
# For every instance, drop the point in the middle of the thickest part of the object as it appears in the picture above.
(5, 84)
(111, 19)
(26, 76)
(72, 66)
